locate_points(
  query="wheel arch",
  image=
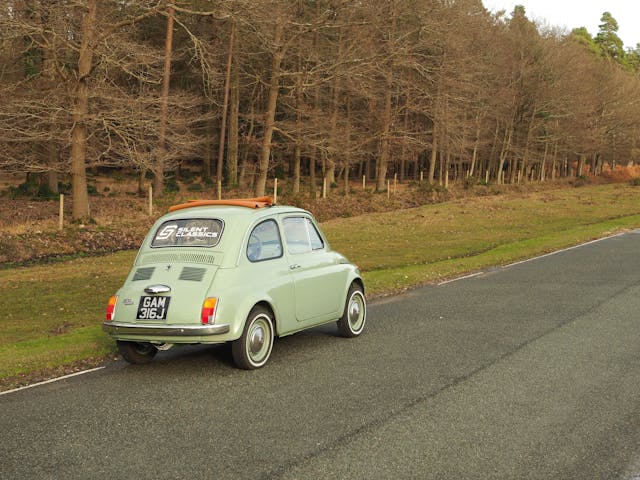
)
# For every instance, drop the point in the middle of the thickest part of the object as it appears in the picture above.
(267, 305)
(352, 280)
(358, 281)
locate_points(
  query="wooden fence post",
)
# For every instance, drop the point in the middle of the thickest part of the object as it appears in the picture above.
(275, 190)
(61, 213)
(150, 200)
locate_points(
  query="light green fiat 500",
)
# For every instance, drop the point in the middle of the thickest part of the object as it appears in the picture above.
(240, 271)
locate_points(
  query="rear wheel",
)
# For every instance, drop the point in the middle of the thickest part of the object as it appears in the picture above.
(355, 313)
(137, 352)
(253, 349)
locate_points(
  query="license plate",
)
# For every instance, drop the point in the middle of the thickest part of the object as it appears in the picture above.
(153, 308)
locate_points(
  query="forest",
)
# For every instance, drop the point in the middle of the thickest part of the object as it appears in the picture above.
(312, 92)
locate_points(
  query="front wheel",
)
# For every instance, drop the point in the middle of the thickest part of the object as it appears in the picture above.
(136, 352)
(253, 349)
(355, 313)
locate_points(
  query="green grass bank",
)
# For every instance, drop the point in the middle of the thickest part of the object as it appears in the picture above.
(52, 313)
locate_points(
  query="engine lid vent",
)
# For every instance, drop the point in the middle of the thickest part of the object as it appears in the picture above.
(143, 273)
(192, 274)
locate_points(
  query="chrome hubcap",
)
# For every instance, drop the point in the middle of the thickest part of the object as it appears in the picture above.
(257, 340)
(356, 312)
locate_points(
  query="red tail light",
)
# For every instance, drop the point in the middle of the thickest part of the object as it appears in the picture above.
(209, 311)
(111, 308)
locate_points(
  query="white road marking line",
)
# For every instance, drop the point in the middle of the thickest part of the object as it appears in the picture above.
(471, 275)
(535, 258)
(51, 380)
(563, 250)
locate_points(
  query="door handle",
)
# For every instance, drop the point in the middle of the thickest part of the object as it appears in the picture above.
(294, 266)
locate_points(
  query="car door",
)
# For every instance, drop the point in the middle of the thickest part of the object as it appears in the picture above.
(319, 280)
(265, 273)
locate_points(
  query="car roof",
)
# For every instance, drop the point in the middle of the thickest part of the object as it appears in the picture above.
(256, 202)
(232, 213)
(232, 207)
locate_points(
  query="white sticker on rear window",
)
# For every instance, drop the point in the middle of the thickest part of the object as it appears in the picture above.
(188, 233)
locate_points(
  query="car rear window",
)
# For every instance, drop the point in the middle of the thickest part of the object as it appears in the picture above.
(192, 232)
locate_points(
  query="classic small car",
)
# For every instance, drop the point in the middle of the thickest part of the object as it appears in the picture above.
(242, 271)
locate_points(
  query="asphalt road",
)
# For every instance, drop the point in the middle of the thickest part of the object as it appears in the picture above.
(526, 372)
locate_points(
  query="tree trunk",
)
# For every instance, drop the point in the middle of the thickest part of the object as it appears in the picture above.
(50, 146)
(80, 201)
(525, 154)
(445, 146)
(403, 162)
(270, 113)
(314, 151)
(316, 106)
(330, 173)
(490, 165)
(51, 177)
(506, 146)
(447, 164)
(381, 173)
(434, 155)
(347, 155)
(581, 162)
(158, 171)
(554, 161)
(476, 144)
(297, 150)
(599, 164)
(232, 147)
(225, 106)
(242, 177)
(441, 157)
(208, 157)
(544, 160)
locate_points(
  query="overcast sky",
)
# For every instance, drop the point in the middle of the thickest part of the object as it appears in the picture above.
(580, 13)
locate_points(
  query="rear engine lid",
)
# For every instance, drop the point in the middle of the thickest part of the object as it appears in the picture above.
(170, 292)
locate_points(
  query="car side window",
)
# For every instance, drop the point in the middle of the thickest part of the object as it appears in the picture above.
(264, 242)
(314, 236)
(301, 235)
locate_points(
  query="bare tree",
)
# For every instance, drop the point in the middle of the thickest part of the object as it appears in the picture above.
(337, 86)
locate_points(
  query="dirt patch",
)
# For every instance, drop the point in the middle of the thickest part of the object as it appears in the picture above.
(31, 233)
(30, 230)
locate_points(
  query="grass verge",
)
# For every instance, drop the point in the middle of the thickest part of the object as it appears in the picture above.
(52, 313)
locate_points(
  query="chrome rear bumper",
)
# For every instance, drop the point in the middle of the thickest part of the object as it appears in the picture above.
(164, 330)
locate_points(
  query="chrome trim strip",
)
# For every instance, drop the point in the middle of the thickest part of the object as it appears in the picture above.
(165, 330)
